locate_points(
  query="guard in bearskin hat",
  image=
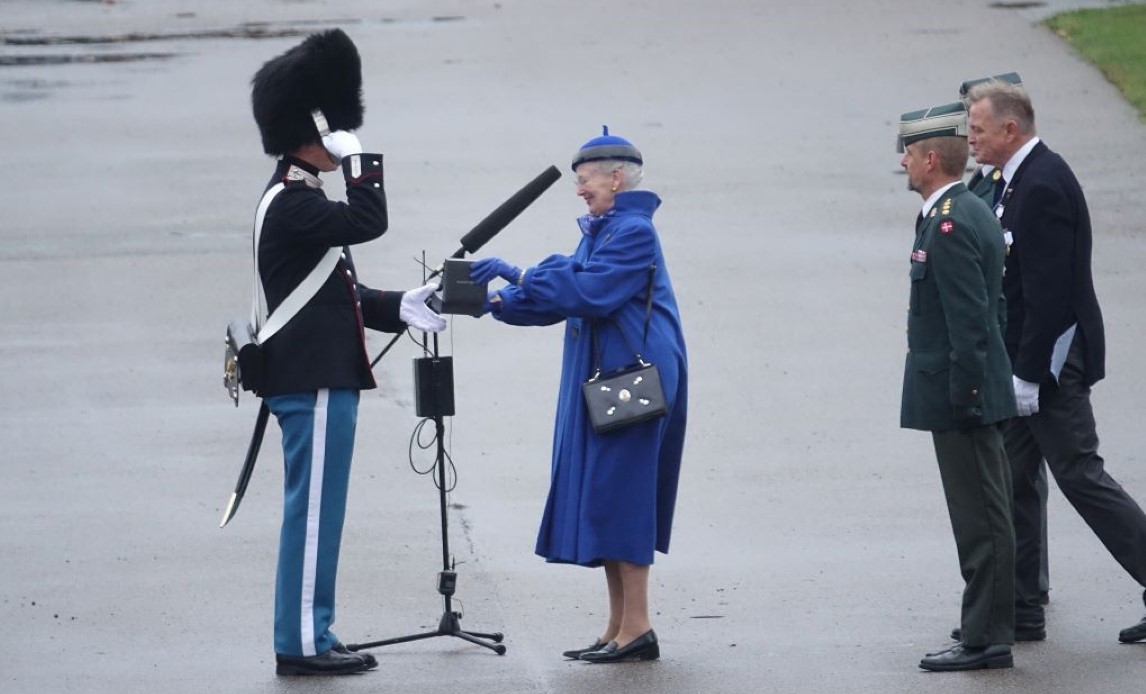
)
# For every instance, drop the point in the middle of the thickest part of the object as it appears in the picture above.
(306, 101)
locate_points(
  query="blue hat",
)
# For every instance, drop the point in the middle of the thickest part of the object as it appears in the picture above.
(607, 147)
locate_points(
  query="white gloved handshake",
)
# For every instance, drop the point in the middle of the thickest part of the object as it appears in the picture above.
(341, 144)
(415, 313)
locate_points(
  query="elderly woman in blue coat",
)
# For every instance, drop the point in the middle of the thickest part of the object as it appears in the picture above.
(611, 495)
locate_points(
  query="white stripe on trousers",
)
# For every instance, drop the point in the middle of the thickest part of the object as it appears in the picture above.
(313, 515)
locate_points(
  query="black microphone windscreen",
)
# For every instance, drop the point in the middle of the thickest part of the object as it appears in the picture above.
(497, 220)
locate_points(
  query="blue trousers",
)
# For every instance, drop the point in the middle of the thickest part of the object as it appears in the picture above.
(318, 442)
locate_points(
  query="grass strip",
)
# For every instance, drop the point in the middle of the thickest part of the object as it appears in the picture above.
(1114, 40)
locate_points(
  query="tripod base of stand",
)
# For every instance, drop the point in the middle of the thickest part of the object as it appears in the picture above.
(450, 625)
(435, 401)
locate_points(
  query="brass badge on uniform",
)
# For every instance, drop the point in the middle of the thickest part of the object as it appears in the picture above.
(947, 227)
(998, 173)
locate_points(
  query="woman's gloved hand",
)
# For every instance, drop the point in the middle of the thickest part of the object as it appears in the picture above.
(484, 270)
(415, 313)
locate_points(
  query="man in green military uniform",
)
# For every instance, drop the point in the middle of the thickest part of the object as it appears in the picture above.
(957, 380)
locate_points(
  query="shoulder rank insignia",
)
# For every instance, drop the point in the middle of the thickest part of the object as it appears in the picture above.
(947, 226)
(946, 207)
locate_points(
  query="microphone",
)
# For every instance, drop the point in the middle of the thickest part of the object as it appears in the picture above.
(500, 218)
(489, 227)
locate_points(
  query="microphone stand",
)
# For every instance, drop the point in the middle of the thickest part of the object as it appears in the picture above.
(439, 392)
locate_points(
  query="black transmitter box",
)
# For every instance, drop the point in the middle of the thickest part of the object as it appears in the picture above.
(434, 386)
(460, 294)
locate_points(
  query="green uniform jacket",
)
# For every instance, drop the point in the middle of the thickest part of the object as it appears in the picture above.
(957, 373)
(984, 186)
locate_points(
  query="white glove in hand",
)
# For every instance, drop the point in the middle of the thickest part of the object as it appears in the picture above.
(415, 313)
(1026, 396)
(341, 143)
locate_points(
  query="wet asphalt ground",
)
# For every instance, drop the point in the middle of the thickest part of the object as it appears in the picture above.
(812, 550)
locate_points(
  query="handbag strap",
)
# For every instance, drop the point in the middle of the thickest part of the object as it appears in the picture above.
(298, 297)
(597, 368)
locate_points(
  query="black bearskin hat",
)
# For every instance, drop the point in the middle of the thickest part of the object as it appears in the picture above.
(322, 72)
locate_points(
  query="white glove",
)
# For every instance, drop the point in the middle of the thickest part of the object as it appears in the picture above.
(341, 143)
(1026, 396)
(415, 313)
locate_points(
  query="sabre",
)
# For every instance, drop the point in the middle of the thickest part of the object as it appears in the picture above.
(248, 464)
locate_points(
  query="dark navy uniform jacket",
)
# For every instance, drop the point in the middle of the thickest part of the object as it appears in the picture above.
(324, 345)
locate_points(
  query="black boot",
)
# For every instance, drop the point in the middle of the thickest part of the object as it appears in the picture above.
(966, 658)
(330, 663)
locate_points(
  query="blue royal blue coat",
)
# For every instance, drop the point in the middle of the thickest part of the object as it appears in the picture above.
(611, 496)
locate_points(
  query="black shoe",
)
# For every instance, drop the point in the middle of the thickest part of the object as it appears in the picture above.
(1134, 633)
(370, 660)
(330, 663)
(964, 658)
(1023, 632)
(644, 647)
(576, 653)
(941, 651)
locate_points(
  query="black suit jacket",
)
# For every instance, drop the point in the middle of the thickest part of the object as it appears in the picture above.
(1048, 283)
(323, 345)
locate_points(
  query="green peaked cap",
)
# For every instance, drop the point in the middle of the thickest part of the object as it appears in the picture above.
(1009, 77)
(937, 121)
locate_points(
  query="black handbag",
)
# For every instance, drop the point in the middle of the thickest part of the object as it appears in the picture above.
(629, 395)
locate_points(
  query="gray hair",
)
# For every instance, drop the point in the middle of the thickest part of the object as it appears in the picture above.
(1007, 101)
(631, 173)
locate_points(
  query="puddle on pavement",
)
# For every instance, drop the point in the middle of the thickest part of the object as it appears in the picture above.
(28, 39)
(32, 48)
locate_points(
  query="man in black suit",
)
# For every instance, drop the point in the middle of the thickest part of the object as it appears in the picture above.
(983, 183)
(1055, 340)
